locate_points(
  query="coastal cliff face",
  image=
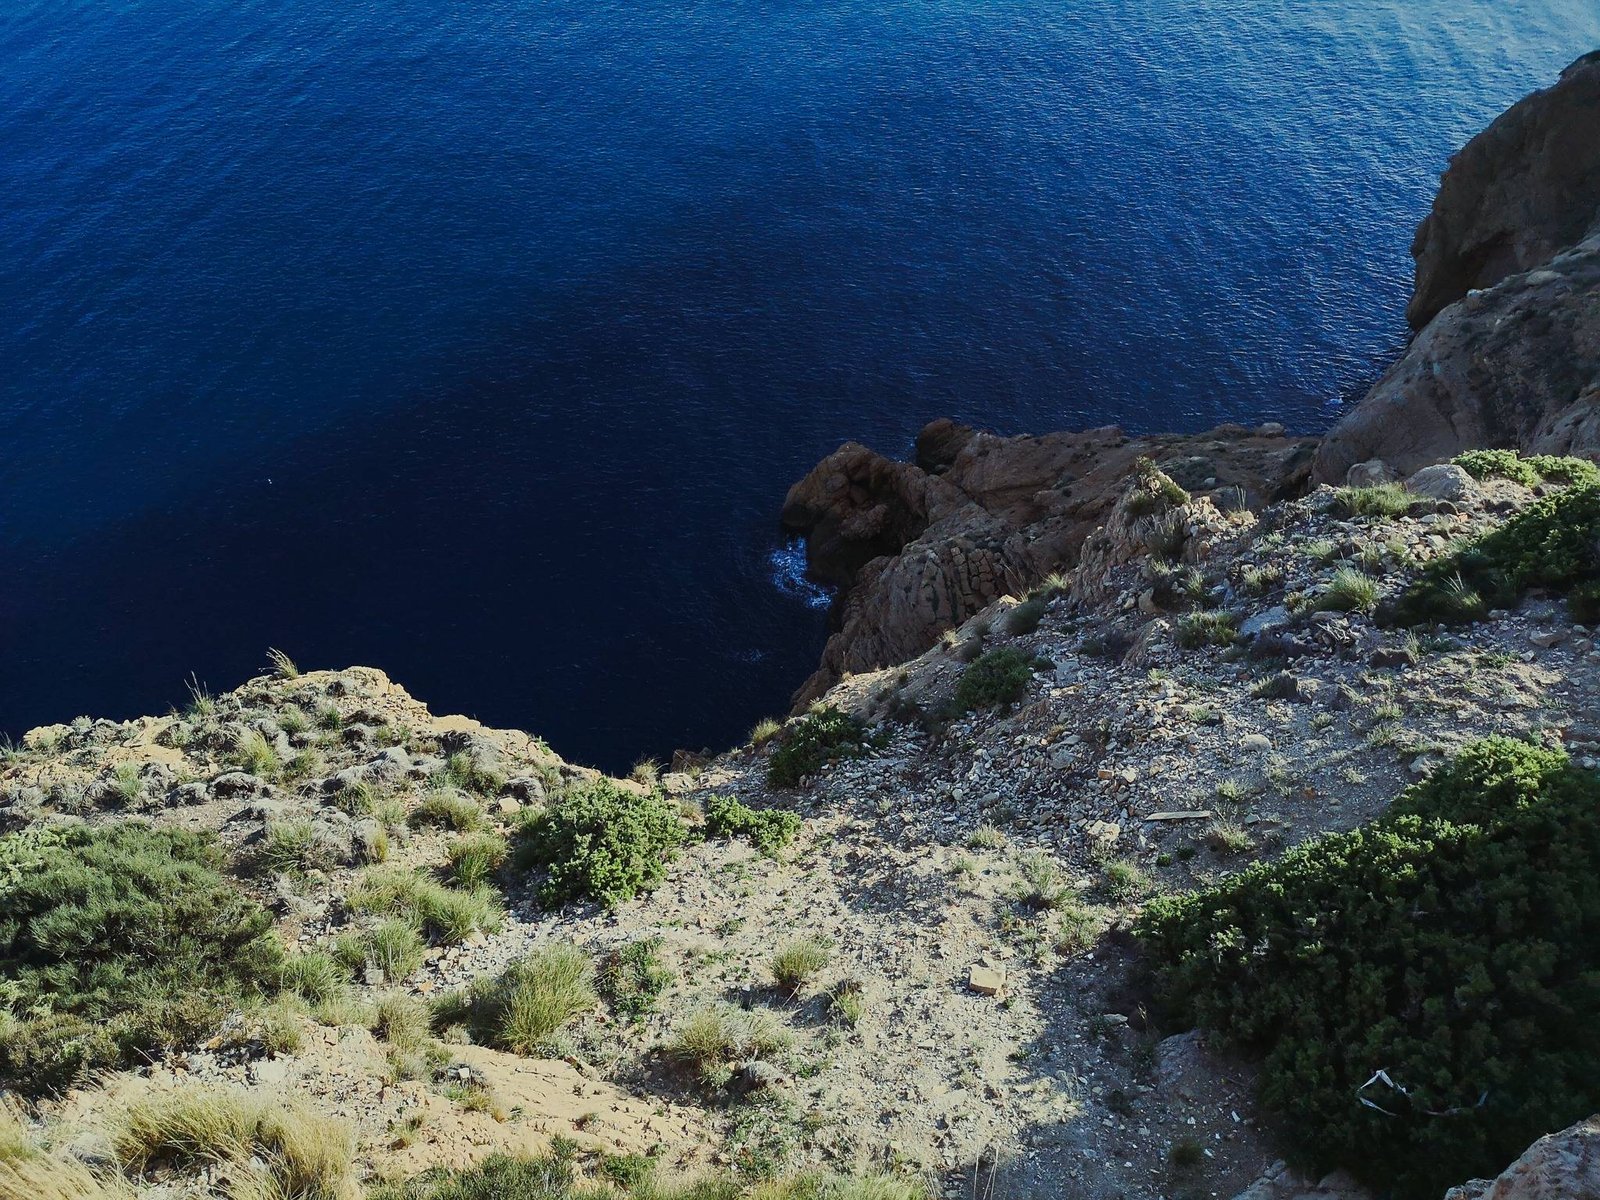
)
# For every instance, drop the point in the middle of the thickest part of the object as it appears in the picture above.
(1518, 194)
(1230, 817)
(1507, 299)
(919, 547)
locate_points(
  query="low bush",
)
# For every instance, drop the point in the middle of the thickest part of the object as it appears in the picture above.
(1450, 944)
(1530, 471)
(1554, 544)
(1025, 617)
(117, 943)
(522, 1009)
(633, 977)
(769, 830)
(996, 677)
(602, 842)
(819, 737)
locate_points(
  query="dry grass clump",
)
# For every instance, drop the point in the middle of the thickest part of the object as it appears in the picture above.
(28, 1173)
(446, 914)
(450, 808)
(273, 1153)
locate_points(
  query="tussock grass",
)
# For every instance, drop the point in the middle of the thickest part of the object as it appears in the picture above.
(443, 913)
(523, 1009)
(254, 754)
(27, 1173)
(765, 730)
(448, 808)
(281, 665)
(1039, 883)
(1349, 591)
(1217, 627)
(712, 1040)
(274, 1153)
(797, 961)
(393, 947)
(475, 858)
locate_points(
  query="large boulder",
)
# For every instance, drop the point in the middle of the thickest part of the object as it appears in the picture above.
(917, 548)
(1559, 1166)
(1516, 195)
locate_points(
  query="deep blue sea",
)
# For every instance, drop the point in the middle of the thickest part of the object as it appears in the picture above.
(480, 341)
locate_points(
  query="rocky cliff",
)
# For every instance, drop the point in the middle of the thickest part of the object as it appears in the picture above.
(919, 547)
(1507, 298)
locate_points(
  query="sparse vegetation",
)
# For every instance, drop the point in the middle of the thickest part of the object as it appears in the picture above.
(1553, 543)
(281, 665)
(765, 730)
(633, 977)
(1039, 881)
(1123, 881)
(476, 857)
(254, 754)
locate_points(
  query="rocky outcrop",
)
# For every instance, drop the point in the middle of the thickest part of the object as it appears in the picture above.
(917, 548)
(1507, 298)
(1517, 365)
(1560, 1166)
(1516, 195)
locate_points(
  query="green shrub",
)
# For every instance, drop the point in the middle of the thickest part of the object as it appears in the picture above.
(1564, 469)
(1025, 617)
(1451, 944)
(769, 830)
(116, 943)
(633, 977)
(1503, 464)
(603, 842)
(817, 738)
(995, 678)
(524, 1007)
(463, 772)
(1554, 543)
(1152, 491)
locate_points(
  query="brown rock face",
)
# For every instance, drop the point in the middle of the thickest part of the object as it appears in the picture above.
(1507, 298)
(917, 548)
(1517, 194)
(1560, 1166)
(1517, 365)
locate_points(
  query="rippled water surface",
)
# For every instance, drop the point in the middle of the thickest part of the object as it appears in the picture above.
(479, 342)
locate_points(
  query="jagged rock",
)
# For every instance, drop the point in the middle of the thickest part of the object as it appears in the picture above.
(1518, 366)
(917, 548)
(1559, 1166)
(233, 784)
(1517, 194)
(1507, 297)
(1281, 1182)
(1270, 620)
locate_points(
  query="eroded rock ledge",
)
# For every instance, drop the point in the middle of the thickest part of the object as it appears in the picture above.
(916, 548)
